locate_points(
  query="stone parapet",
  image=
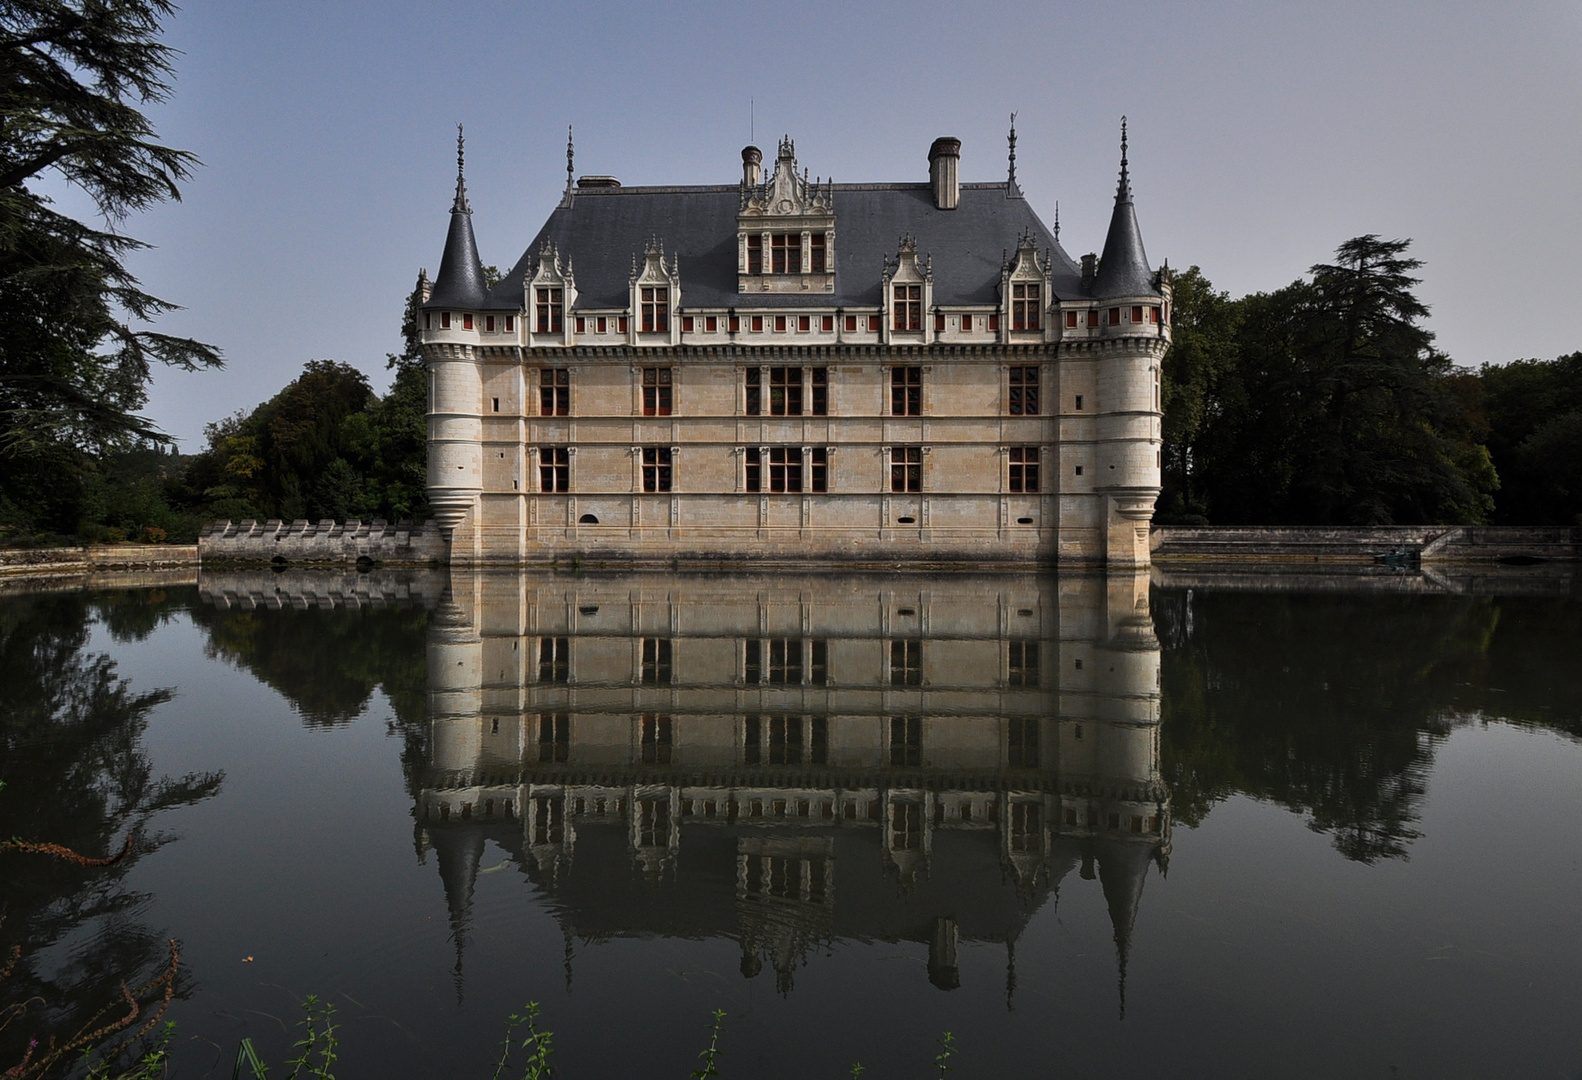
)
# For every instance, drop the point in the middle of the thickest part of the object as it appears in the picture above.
(1427, 543)
(329, 543)
(320, 588)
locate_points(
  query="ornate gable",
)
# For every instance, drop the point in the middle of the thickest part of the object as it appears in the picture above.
(786, 231)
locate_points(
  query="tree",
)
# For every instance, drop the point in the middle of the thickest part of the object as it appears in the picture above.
(1198, 369)
(1534, 410)
(74, 363)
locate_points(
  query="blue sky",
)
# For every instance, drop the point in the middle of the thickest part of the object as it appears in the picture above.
(1262, 135)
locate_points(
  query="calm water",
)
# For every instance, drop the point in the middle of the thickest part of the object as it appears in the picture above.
(1095, 827)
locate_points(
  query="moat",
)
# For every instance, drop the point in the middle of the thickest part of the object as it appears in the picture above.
(1175, 824)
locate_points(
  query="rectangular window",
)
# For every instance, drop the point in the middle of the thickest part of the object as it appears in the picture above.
(655, 739)
(826, 324)
(656, 392)
(1115, 316)
(496, 402)
(1023, 400)
(816, 251)
(851, 324)
(994, 323)
(1024, 469)
(656, 310)
(939, 323)
(1024, 306)
(906, 391)
(620, 324)
(1079, 403)
(785, 391)
(873, 324)
(554, 469)
(819, 466)
(966, 323)
(1071, 320)
(755, 254)
(466, 321)
(510, 324)
(1023, 737)
(1093, 320)
(554, 737)
(602, 324)
(754, 466)
(444, 320)
(656, 662)
(906, 750)
(786, 249)
(906, 663)
(803, 324)
(785, 662)
(754, 378)
(428, 320)
(1153, 315)
(551, 312)
(554, 660)
(488, 324)
(1137, 314)
(686, 324)
(711, 324)
(656, 468)
(780, 324)
(735, 324)
(785, 469)
(820, 377)
(908, 307)
(554, 392)
(758, 324)
(582, 325)
(906, 468)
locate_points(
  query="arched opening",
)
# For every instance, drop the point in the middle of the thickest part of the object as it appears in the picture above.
(587, 519)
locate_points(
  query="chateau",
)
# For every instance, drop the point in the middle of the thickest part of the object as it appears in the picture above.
(796, 371)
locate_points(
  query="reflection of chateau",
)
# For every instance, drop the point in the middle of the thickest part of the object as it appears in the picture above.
(786, 761)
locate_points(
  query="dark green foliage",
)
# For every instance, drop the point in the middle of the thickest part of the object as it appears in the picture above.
(74, 364)
(1322, 403)
(1534, 411)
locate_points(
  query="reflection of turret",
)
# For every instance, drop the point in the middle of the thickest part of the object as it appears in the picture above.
(953, 746)
(458, 852)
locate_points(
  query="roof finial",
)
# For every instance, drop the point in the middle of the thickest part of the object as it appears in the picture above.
(1011, 187)
(571, 154)
(1057, 221)
(1125, 191)
(460, 205)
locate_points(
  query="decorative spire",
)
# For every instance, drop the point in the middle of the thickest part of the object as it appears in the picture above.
(460, 205)
(1057, 221)
(1125, 189)
(571, 157)
(1011, 187)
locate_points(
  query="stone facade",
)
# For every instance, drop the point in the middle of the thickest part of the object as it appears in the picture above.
(870, 374)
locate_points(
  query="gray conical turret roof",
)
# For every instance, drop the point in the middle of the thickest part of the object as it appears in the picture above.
(1122, 868)
(1123, 268)
(459, 283)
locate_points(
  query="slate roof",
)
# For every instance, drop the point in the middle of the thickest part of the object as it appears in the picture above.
(1123, 268)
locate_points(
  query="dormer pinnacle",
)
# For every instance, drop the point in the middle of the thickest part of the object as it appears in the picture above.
(571, 169)
(1012, 189)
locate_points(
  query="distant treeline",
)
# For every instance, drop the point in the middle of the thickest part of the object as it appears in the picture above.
(1325, 403)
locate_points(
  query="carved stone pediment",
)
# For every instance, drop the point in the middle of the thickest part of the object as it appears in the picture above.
(786, 209)
(786, 194)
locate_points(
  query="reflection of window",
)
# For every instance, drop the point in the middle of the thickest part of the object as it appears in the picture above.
(1023, 744)
(549, 820)
(656, 468)
(906, 826)
(906, 391)
(1023, 662)
(1024, 391)
(656, 661)
(786, 662)
(554, 468)
(785, 740)
(554, 392)
(656, 391)
(554, 737)
(656, 740)
(1024, 468)
(906, 468)
(554, 660)
(653, 822)
(906, 740)
(1025, 827)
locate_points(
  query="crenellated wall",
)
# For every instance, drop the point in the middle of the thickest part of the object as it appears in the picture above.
(329, 543)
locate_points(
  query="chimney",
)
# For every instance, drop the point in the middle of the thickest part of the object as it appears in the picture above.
(1090, 269)
(752, 162)
(943, 158)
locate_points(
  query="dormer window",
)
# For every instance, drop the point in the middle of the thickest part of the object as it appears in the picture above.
(551, 311)
(908, 307)
(755, 254)
(787, 252)
(816, 254)
(656, 310)
(1024, 306)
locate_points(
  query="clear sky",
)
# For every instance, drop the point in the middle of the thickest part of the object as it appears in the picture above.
(1262, 136)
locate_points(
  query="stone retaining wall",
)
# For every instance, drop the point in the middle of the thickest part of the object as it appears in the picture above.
(1431, 544)
(321, 588)
(329, 543)
(35, 562)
